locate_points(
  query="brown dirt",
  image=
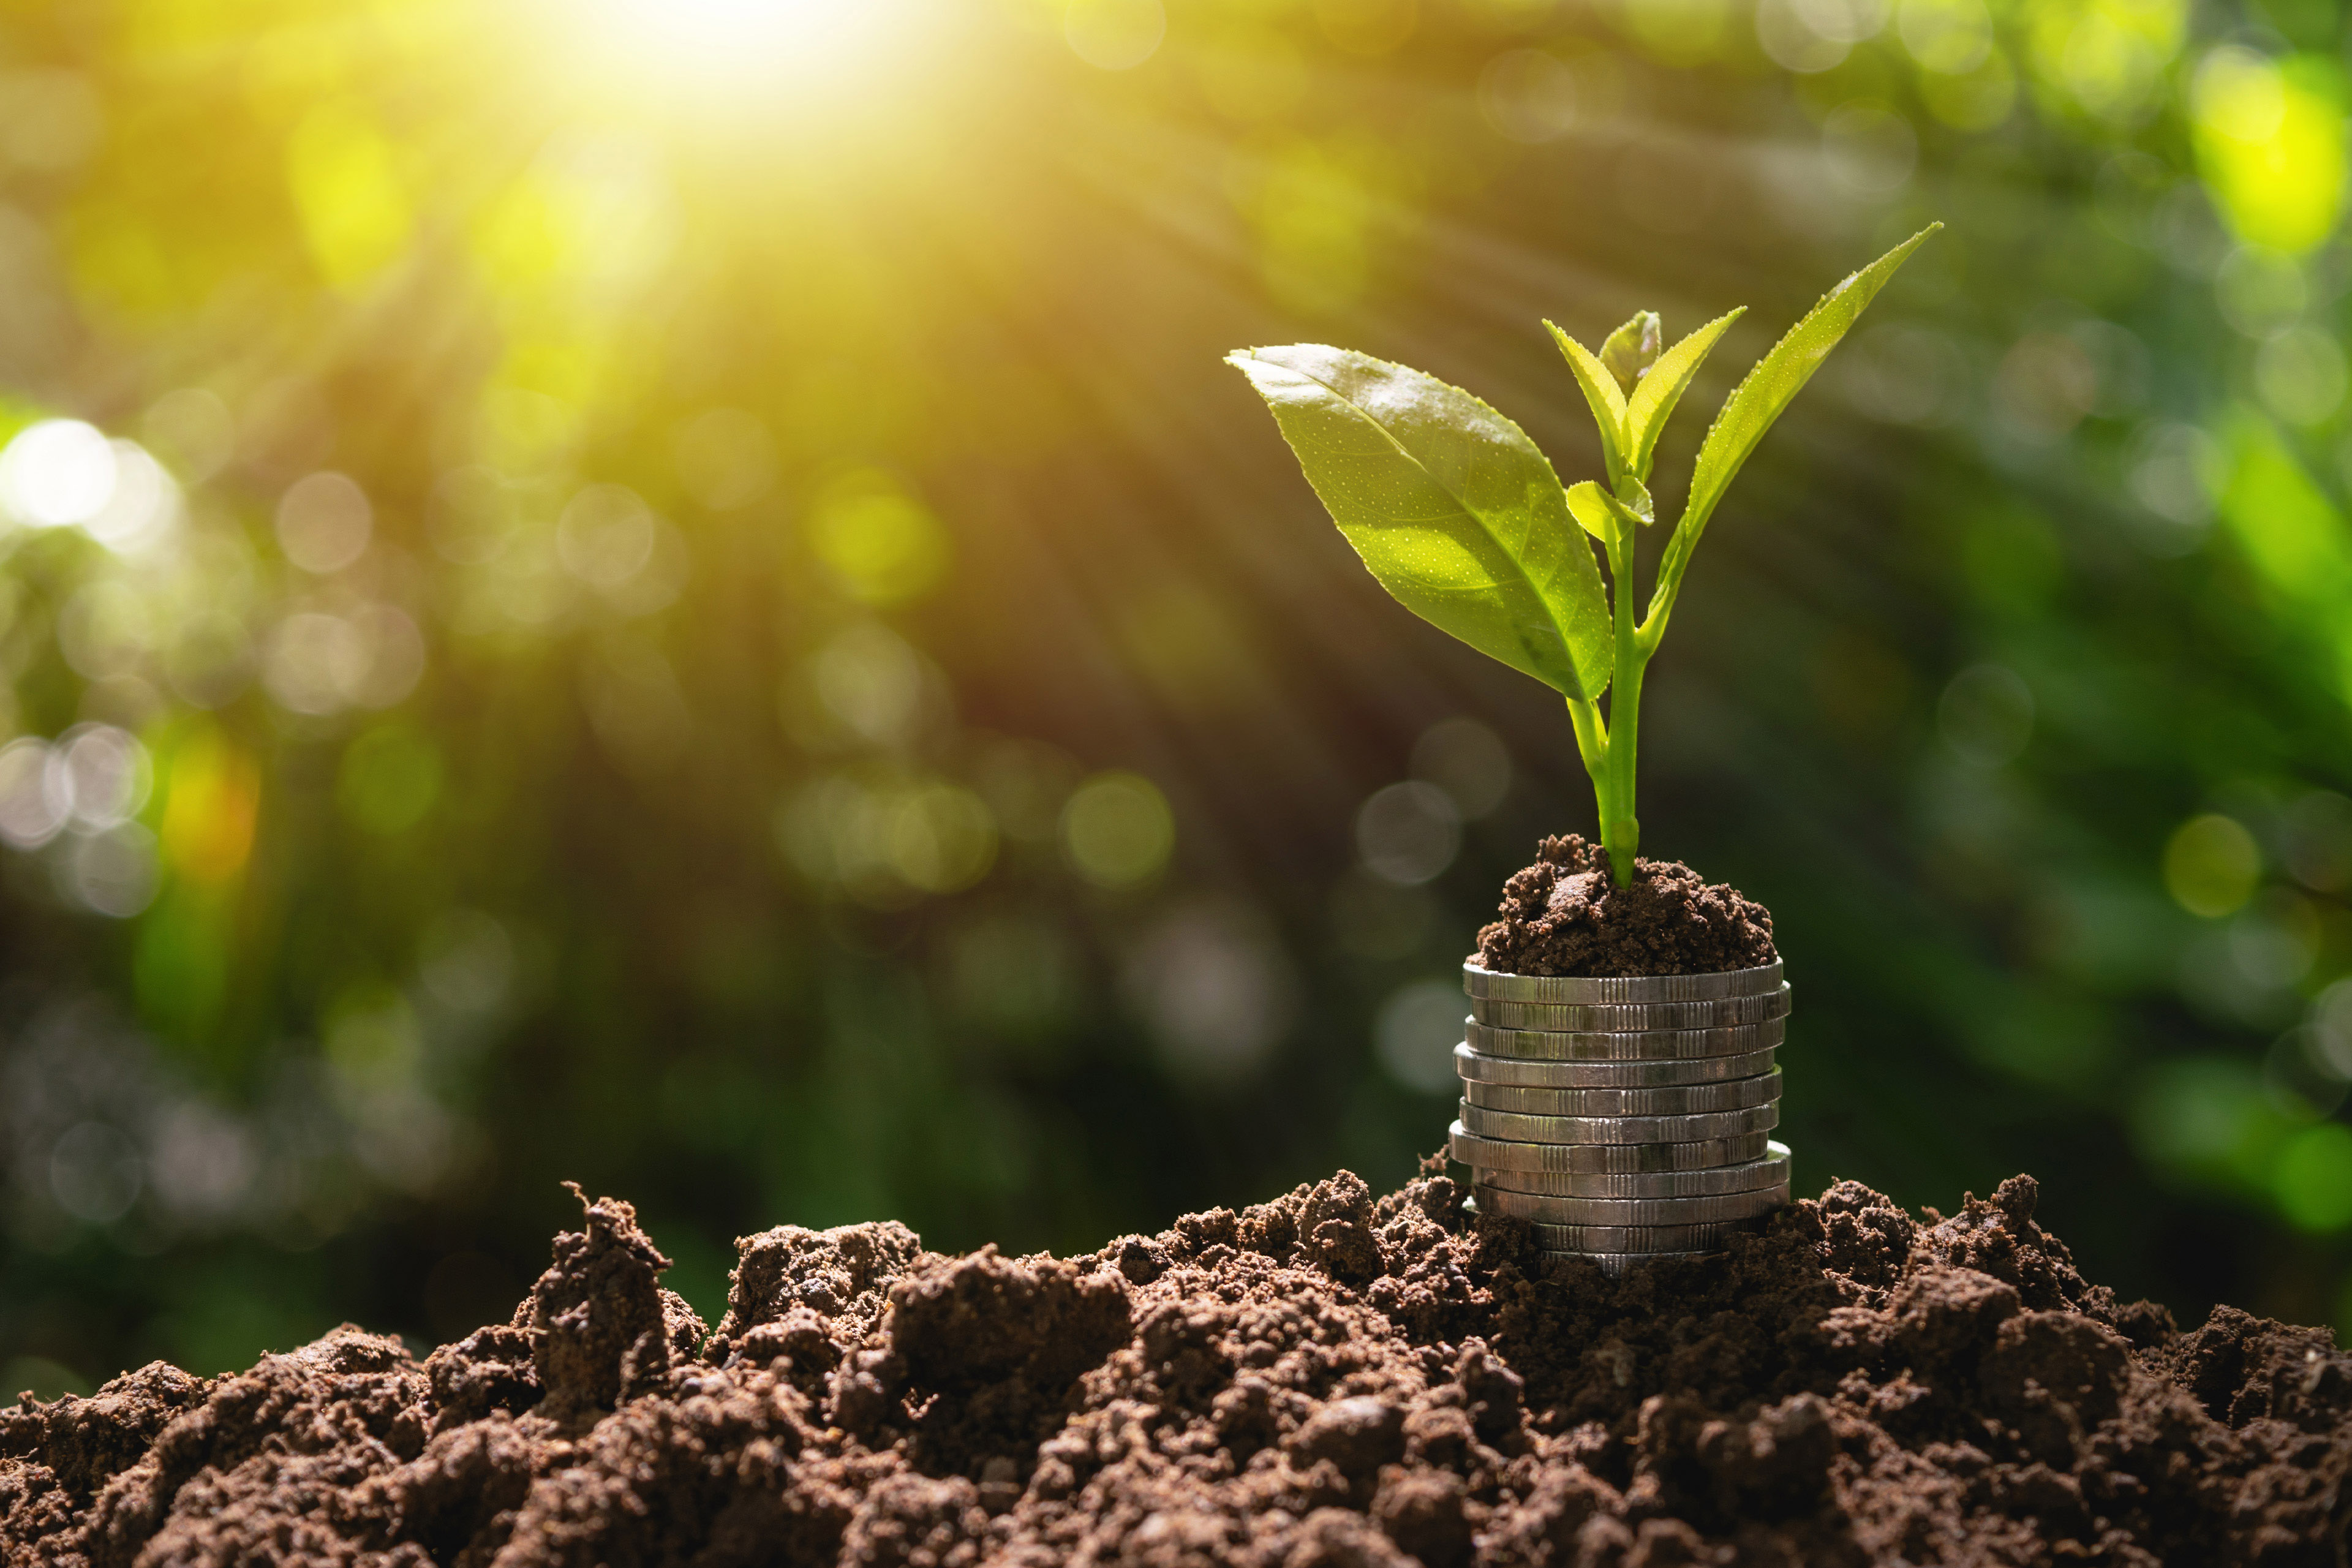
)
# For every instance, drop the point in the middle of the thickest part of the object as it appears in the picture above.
(1326, 1381)
(1565, 915)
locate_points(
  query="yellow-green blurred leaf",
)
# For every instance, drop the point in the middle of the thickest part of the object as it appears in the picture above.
(346, 185)
(2270, 145)
(2313, 1178)
(2211, 865)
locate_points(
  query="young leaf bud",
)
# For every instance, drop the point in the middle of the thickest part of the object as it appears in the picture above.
(1634, 497)
(1632, 350)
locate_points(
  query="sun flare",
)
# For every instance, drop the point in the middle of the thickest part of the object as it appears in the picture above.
(752, 47)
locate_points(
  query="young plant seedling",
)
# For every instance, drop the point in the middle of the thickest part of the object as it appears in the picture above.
(1463, 519)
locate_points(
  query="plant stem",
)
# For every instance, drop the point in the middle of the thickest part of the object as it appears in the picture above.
(1620, 832)
(1607, 745)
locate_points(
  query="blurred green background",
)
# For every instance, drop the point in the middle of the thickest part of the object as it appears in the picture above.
(674, 596)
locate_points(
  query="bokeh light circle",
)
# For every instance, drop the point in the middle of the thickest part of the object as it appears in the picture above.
(56, 472)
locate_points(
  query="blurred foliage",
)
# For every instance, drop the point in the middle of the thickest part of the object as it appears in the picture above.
(674, 596)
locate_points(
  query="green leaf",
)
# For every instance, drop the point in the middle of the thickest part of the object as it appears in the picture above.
(1634, 499)
(1595, 508)
(1758, 400)
(1607, 400)
(1454, 510)
(1631, 350)
(1654, 401)
(1588, 504)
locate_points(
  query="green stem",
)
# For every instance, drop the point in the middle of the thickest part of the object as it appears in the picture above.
(1620, 832)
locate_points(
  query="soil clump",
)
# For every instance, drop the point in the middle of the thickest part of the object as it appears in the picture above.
(1330, 1380)
(1565, 915)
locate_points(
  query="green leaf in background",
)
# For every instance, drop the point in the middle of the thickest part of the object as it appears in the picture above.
(1653, 403)
(1608, 400)
(1454, 510)
(1631, 350)
(1758, 400)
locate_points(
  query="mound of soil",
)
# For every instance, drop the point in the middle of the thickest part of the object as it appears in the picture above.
(1565, 915)
(1326, 1381)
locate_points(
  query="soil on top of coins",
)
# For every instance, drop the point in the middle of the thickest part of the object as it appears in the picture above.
(1330, 1380)
(1566, 915)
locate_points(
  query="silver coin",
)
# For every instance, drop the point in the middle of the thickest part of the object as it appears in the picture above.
(1625, 1045)
(1476, 1067)
(1613, 1018)
(1480, 981)
(1628, 1211)
(1672, 1100)
(1635, 1237)
(1492, 1154)
(1616, 1265)
(1511, 1124)
(1772, 1171)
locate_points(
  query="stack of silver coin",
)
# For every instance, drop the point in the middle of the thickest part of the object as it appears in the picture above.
(1628, 1119)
